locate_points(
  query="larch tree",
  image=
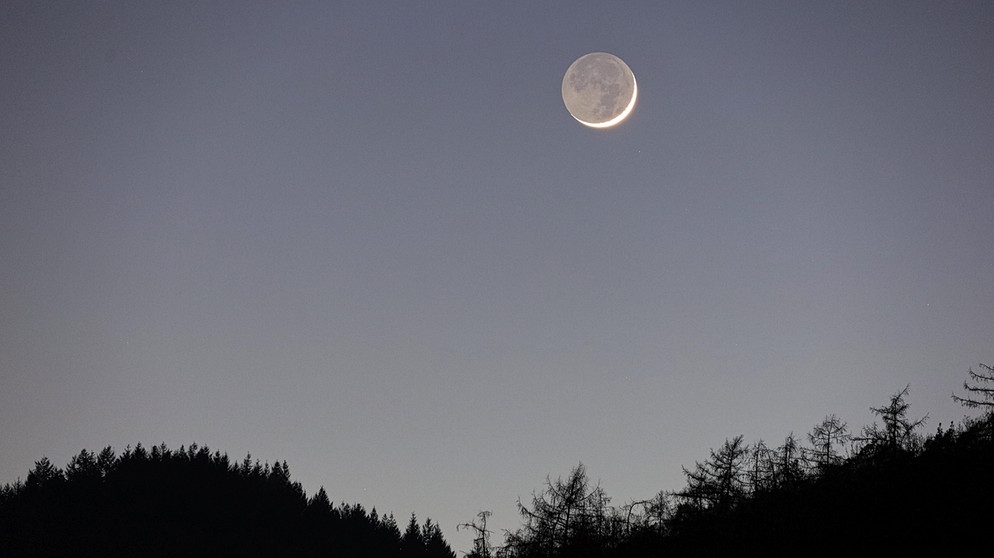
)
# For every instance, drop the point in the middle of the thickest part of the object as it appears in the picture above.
(980, 393)
(719, 483)
(898, 432)
(481, 542)
(824, 438)
(567, 515)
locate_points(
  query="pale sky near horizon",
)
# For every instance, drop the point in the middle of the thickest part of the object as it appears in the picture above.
(368, 239)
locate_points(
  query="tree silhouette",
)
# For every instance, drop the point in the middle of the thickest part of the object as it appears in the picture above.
(898, 433)
(44, 475)
(567, 518)
(902, 493)
(787, 470)
(320, 504)
(435, 545)
(718, 484)
(188, 502)
(824, 437)
(981, 392)
(481, 542)
(412, 543)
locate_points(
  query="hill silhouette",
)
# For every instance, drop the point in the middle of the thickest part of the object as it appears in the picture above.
(886, 490)
(933, 502)
(893, 492)
(191, 502)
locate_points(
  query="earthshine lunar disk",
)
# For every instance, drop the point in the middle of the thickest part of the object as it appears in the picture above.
(599, 90)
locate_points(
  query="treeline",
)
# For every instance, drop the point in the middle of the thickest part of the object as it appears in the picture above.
(885, 490)
(192, 502)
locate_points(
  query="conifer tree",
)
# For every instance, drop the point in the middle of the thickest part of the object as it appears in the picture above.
(980, 394)
(481, 542)
(106, 460)
(412, 543)
(567, 515)
(787, 469)
(44, 475)
(824, 438)
(83, 467)
(435, 545)
(320, 503)
(898, 432)
(719, 483)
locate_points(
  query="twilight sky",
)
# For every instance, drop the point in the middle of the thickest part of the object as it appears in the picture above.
(367, 238)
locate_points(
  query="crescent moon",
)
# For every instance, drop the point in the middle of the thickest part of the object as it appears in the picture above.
(599, 90)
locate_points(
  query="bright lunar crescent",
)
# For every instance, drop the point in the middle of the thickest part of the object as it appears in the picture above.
(599, 90)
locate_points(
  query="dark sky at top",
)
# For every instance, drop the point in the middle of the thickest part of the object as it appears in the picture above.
(367, 238)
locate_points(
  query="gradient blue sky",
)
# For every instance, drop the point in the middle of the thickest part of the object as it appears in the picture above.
(367, 238)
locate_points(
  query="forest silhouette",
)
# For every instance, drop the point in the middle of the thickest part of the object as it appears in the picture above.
(887, 489)
(191, 502)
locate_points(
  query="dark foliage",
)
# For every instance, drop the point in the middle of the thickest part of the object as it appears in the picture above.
(189, 502)
(936, 502)
(569, 518)
(897, 493)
